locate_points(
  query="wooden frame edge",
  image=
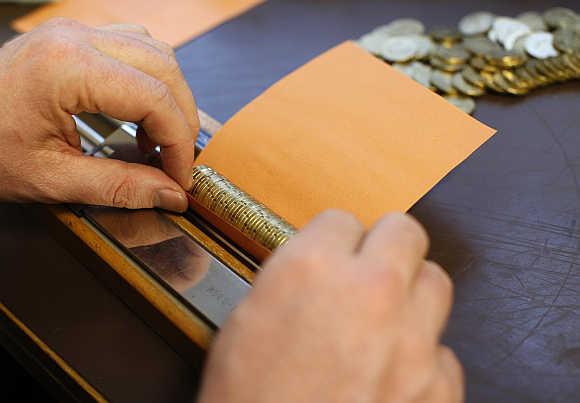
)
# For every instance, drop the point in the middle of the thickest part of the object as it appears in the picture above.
(162, 300)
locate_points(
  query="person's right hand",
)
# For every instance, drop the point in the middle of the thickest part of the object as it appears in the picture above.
(340, 316)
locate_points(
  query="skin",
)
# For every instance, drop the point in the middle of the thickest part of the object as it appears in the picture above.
(339, 314)
(63, 68)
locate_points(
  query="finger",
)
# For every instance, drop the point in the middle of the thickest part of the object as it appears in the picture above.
(397, 242)
(430, 301)
(453, 371)
(331, 232)
(155, 59)
(106, 85)
(99, 181)
(145, 144)
(447, 385)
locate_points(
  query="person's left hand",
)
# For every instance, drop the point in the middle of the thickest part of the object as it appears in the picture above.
(64, 68)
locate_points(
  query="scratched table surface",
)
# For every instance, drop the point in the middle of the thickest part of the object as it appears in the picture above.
(504, 223)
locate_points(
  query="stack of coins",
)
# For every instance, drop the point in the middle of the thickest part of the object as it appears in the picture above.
(485, 53)
(253, 219)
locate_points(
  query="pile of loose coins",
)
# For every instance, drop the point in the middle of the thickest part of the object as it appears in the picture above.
(253, 219)
(485, 53)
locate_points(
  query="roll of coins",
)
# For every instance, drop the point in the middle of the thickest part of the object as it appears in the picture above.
(485, 53)
(238, 209)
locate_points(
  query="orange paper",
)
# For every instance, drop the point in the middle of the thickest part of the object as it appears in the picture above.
(173, 21)
(344, 131)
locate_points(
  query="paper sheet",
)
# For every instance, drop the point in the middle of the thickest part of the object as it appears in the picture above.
(174, 21)
(344, 131)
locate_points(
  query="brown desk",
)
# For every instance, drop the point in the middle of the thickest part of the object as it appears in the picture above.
(505, 222)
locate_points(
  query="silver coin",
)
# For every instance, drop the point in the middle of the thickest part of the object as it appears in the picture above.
(422, 73)
(520, 45)
(401, 27)
(512, 38)
(404, 68)
(560, 17)
(443, 81)
(541, 45)
(372, 42)
(507, 30)
(533, 20)
(476, 23)
(492, 35)
(398, 49)
(466, 104)
(479, 45)
(424, 45)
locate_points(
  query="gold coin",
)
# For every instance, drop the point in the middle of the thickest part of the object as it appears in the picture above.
(489, 82)
(532, 67)
(454, 55)
(445, 36)
(565, 71)
(505, 59)
(473, 77)
(516, 80)
(507, 87)
(442, 81)
(441, 65)
(465, 88)
(480, 64)
(569, 61)
(548, 67)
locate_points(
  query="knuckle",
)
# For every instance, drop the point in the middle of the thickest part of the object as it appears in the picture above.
(410, 227)
(194, 123)
(167, 49)
(381, 287)
(172, 67)
(391, 282)
(339, 217)
(53, 43)
(164, 48)
(161, 94)
(122, 191)
(439, 281)
(417, 349)
(301, 265)
(306, 260)
(453, 365)
(140, 28)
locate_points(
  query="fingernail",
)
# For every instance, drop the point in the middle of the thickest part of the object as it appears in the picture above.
(170, 200)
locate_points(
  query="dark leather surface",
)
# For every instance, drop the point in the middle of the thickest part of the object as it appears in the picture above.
(505, 222)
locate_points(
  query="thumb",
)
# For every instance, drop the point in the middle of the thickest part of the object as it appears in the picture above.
(99, 181)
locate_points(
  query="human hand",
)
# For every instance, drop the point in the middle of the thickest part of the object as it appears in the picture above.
(64, 68)
(339, 316)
